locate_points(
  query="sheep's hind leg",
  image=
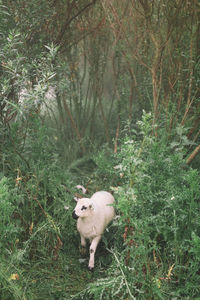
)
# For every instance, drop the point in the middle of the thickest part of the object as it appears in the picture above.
(93, 247)
(83, 246)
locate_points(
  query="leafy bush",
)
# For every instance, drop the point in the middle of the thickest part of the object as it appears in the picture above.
(159, 227)
(34, 227)
(105, 173)
(9, 234)
(8, 229)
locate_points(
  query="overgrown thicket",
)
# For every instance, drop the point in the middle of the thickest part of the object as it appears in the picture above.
(158, 207)
(104, 94)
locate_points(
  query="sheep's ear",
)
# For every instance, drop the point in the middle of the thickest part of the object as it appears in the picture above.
(76, 199)
(91, 206)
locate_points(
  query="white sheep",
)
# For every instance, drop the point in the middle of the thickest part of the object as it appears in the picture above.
(93, 216)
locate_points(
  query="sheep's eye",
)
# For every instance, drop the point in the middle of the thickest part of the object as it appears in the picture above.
(83, 207)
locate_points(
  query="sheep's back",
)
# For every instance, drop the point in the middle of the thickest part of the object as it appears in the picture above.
(102, 201)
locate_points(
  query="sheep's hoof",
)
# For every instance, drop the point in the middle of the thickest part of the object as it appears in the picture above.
(91, 269)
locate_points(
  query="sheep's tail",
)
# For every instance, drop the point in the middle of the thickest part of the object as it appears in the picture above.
(84, 191)
(80, 187)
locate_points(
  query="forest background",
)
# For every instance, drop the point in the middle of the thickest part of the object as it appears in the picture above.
(105, 94)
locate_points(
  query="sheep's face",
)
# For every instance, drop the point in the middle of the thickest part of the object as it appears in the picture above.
(83, 208)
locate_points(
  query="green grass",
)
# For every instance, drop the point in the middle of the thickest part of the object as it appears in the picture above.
(46, 278)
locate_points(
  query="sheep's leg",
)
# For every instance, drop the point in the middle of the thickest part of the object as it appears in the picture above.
(83, 246)
(93, 247)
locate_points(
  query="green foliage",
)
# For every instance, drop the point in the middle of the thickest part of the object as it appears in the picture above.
(158, 227)
(100, 76)
(8, 229)
(22, 99)
(105, 173)
(35, 226)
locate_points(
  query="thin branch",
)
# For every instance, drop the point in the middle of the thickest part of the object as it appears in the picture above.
(123, 275)
(67, 23)
(16, 151)
(73, 123)
(193, 155)
(117, 134)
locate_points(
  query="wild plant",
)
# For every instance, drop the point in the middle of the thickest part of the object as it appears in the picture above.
(8, 230)
(159, 227)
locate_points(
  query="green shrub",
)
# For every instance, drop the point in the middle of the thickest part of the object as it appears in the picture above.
(9, 233)
(159, 226)
(8, 229)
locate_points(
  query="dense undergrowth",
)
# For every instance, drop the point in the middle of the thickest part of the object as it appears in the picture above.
(49, 144)
(152, 248)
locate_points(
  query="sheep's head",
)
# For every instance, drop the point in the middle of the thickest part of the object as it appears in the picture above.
(83, 208)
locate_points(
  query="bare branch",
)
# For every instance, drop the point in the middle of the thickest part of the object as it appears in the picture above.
(67, 23)
(193, 155)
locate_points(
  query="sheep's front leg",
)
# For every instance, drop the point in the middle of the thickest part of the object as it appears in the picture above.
(83, 246)
(93, 247)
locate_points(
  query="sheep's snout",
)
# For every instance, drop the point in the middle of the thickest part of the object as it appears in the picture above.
(74, 215)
